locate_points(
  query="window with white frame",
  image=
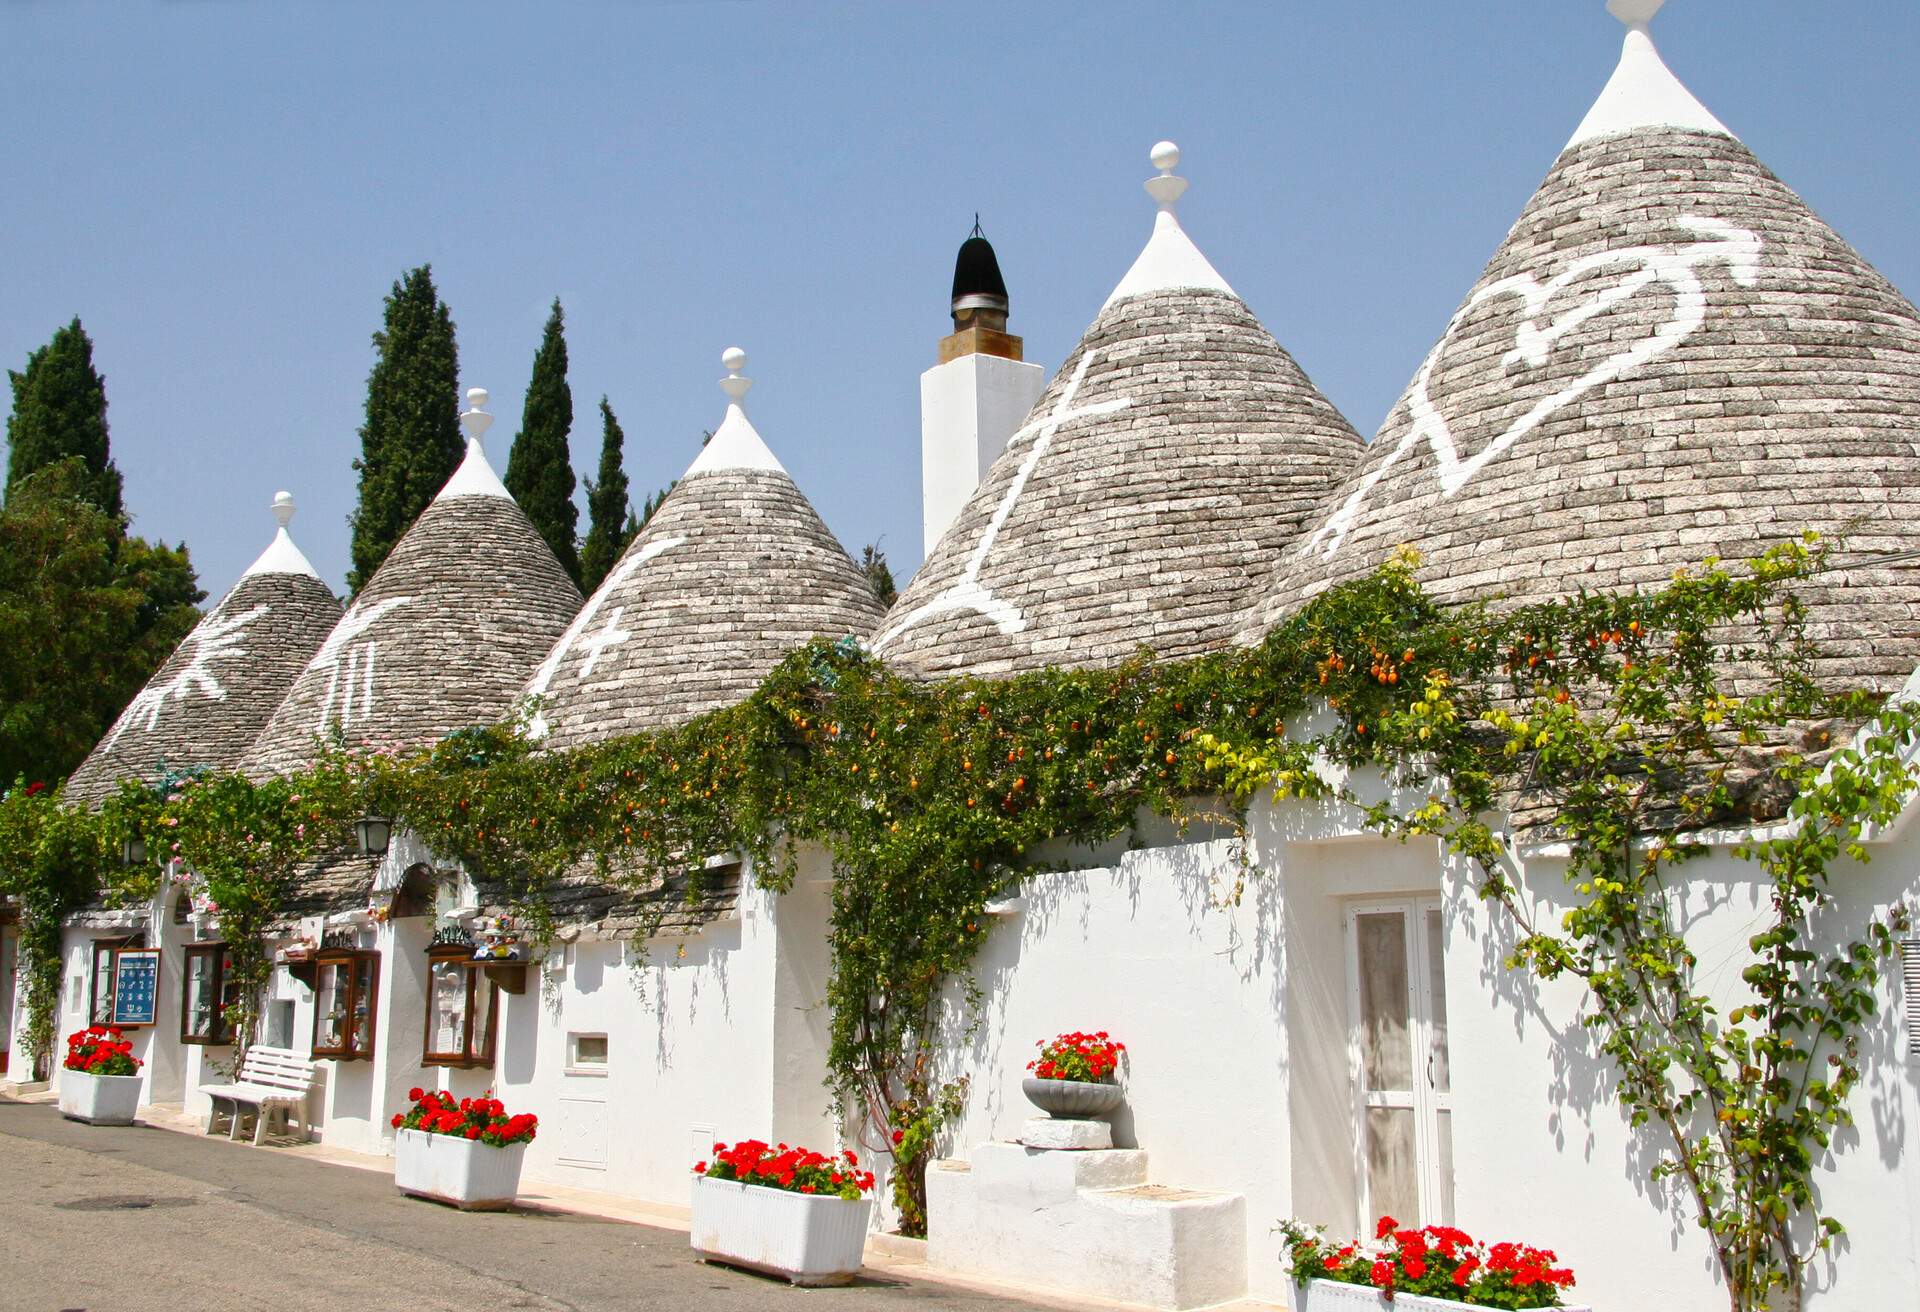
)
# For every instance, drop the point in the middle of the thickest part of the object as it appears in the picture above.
(586, 1054)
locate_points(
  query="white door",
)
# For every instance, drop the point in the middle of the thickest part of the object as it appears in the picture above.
(1403, 1100)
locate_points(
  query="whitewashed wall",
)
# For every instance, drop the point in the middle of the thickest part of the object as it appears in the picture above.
(165, 1060)
(1237, 1023)
(1544, 1153)
(720, 1035)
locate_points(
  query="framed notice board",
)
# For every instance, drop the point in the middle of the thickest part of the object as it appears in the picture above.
(136, 985)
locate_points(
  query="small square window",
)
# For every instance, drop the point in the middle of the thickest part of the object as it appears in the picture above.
(586, 1054)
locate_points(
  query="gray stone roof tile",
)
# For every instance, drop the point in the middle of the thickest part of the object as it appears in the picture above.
(1156, 480)
(442, 637)
(1670, 356)
(210, 699)
(734, 570)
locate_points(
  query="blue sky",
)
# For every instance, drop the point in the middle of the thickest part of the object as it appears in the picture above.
(224, 192)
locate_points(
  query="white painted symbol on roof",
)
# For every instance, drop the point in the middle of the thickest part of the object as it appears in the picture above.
(1721, 242)
(610, 636)
(359, 658)
(967, 592)
(210, 641)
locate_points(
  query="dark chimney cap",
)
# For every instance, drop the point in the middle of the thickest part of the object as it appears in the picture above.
(977, 284)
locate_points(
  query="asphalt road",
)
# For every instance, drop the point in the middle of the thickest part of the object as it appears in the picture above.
(98, 1219)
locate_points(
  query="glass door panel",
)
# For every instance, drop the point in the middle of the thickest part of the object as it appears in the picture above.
(1402, 1074)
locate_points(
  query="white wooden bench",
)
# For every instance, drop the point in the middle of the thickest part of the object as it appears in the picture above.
(272, 1081)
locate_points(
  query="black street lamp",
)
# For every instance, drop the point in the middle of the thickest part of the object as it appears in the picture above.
(133, 852)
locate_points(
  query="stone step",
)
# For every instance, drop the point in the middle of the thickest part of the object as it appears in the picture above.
(1087, 1222)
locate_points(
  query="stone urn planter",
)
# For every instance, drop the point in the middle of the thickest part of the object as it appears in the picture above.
(470, 1175)
(1337, 1296)
(809, 1239)
(1072, 1100)
(99, 1099)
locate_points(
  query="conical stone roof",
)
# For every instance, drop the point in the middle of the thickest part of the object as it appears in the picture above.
(1178, 449)
(1669, 357)
(444, 634)
(213, 695)
(734, 570)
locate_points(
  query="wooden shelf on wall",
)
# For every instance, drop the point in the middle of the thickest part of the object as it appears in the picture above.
(511, 976)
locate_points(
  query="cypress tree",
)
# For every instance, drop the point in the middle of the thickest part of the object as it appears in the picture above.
(610, 521)
(59, 411)
(539, 468)
(410, 443)
(873, 563)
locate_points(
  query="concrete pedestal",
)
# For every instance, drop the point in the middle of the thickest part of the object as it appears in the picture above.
(1080, 1136)
(1085, 1221)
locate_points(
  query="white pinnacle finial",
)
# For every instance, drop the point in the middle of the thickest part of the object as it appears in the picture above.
(1170, 259)
(281, 556)
(1643, 92)
(476, 421)
(475, 477)
(1634, 13)
(1166, 189)
(734, 360)
(735, 444)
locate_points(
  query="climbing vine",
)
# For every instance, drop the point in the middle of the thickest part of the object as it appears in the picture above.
(52, 864)
(1612, 724)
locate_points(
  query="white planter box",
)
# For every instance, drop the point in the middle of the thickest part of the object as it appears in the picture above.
(1334, 1296)
(809, 1239)
(99, 1099)
(469, 1174)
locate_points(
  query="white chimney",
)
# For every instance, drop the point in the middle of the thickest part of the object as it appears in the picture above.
(977, 396)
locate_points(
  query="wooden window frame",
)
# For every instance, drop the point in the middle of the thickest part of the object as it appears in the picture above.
(112, 947)
(222, 1033)
(347, 961)
(477, 979)
(96, 997)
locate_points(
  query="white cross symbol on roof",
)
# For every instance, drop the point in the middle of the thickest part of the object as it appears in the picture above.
(610, 635)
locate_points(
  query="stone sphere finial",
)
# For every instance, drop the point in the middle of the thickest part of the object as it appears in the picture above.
(476, 421)
(1165, 189)
(1634, 13)
(733, 384)
(283, 508)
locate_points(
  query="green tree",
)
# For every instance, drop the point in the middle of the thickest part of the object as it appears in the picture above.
(637, 522)
(60, 410)
(87, 615)
(410, 443)
(873, 563)
(610, 521)
(539, 467)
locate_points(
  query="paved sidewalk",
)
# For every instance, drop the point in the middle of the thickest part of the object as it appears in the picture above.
(124, 1220)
